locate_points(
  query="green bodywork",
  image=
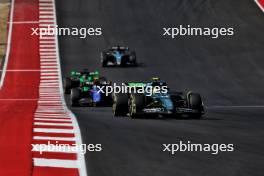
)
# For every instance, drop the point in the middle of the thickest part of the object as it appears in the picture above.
(75, 74)
(136, 84)
(85, 89)
(85, 80)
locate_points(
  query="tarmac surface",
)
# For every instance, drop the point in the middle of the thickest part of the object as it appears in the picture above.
(228, 72)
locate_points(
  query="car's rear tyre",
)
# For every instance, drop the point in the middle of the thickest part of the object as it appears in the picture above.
(75, 96)
(104, 59)
(195, 102)
(67, 85)
(120, 104)
(133, 59)
(102, 80)
(136, 104)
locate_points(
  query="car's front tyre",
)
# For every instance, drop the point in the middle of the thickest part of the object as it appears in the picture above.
(195, 103)
(75, 96)
(120, 104)
(67, 84)
(104, 59)
(136, 104)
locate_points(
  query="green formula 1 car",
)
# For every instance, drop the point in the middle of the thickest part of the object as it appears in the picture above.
(91, 93)
(154, 99)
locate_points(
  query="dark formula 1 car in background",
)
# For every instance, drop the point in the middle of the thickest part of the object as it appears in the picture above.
(118, 56)
(157, 103)
(76, 77)
(88, 92)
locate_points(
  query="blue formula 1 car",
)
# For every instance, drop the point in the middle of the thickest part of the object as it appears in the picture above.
(152, 102)
(89, 94)
(118, 56)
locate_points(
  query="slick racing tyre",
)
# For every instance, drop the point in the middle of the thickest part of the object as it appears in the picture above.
(104, 59)
(75, 96)
(133, 59)
(120, 104)
(102, 81)
(136, 104)
(67, 85)
(195, 102)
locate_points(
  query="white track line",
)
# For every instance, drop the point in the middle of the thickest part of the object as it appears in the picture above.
(260, 6)
(56, 120)
(50, 20)
(46, 16)
(53, 130)
(54, 138)
(49, 74)
(52, 114)
(46, 46)
(49, 111)
(53, 107)
(52, 124)
(46, 12)
(56, 163)
(49, 93)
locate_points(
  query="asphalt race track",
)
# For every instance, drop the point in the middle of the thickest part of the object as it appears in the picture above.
(228, 72)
